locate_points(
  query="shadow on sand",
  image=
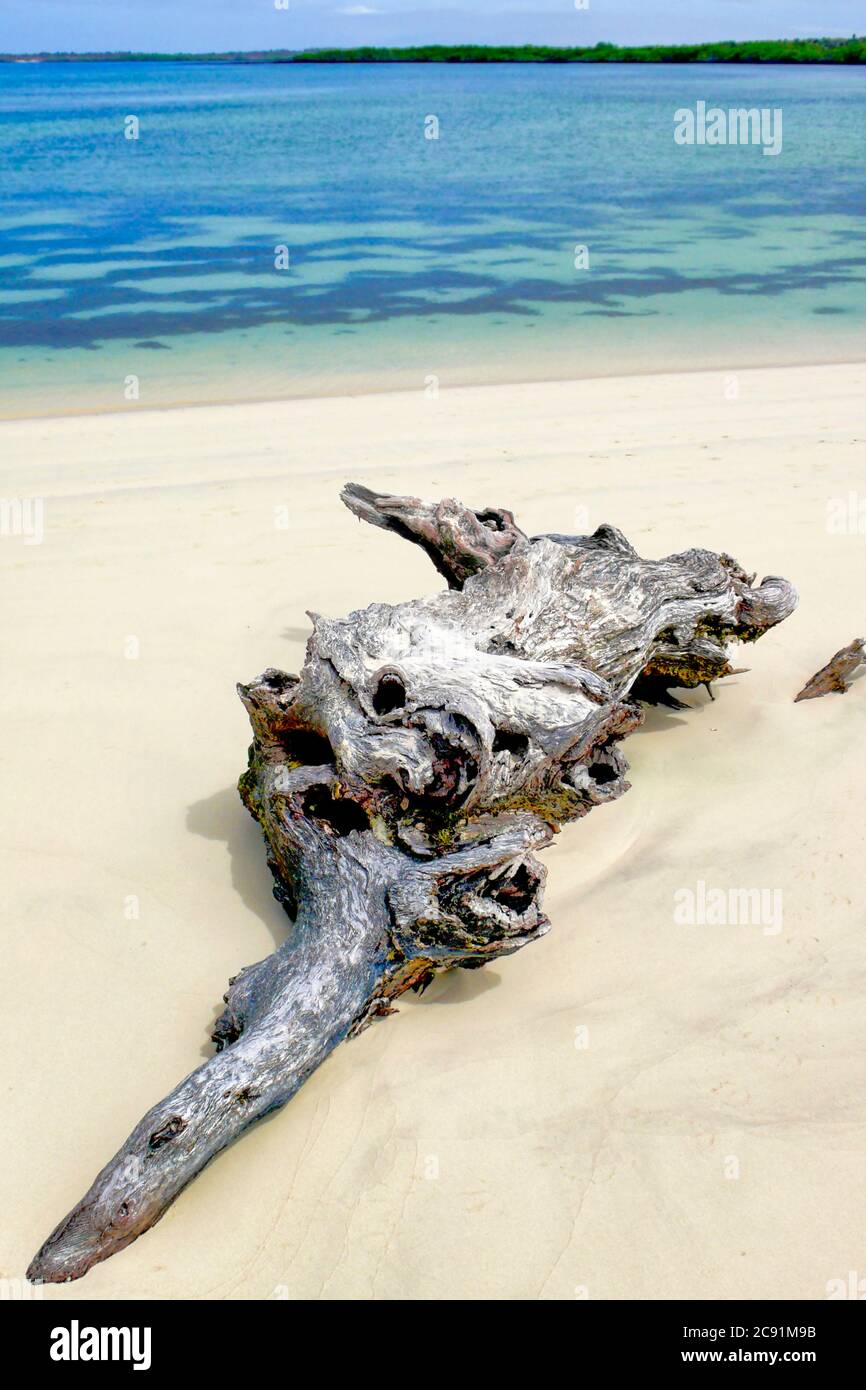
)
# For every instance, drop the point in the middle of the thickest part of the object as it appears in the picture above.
(223, 817)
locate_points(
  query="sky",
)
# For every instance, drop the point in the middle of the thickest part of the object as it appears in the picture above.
(212, 25)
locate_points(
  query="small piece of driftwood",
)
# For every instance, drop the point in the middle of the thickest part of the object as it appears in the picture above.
(404, 782)
(834, 676)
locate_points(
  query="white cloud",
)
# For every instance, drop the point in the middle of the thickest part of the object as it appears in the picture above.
(358, 9)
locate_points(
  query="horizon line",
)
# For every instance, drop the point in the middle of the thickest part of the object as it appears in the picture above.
(827, 40)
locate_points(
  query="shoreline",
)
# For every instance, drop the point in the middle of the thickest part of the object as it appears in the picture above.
(812, 50)
(339, 393)
(192, 61)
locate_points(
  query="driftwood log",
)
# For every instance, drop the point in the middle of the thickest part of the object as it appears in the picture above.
(834, 676)
(404, 783)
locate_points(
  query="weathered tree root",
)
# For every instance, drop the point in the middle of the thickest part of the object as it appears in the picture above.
(834, 676)
(404, 782)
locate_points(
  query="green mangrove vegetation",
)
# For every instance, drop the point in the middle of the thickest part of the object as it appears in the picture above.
(814, 50)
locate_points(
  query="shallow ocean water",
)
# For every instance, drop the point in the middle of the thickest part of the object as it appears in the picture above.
(144, 272)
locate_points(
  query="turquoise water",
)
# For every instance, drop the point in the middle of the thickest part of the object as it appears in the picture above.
(148, 265)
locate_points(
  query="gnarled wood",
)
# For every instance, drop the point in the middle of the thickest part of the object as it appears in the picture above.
(404, 782)
(834, 676)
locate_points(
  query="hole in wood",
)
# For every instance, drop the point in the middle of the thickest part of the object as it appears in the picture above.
(509, 741)
(166, 1132)
(279, 680)
(342, 817)
(602, 773)
(390, 694)
(492, 520)
(307, 748)
(517, 892)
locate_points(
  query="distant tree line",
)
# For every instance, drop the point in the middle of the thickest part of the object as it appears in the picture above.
(851, 50)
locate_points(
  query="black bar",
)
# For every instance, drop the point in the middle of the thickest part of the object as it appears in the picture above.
(255, 1338)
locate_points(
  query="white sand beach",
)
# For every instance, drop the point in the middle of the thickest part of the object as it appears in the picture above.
(631, 1108)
